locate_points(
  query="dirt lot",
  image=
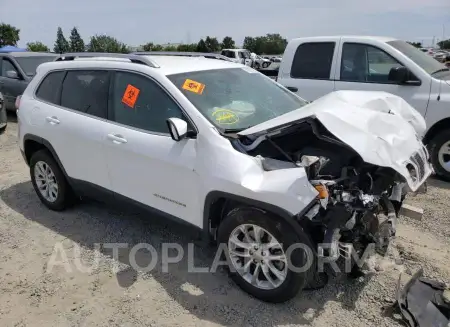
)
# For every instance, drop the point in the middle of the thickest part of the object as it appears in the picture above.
(32, 296)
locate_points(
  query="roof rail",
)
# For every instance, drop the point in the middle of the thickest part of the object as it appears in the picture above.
(208, 55)
(132, 57)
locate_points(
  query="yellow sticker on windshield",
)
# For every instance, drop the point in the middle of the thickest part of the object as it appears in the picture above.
(193, 86)
(225, 117)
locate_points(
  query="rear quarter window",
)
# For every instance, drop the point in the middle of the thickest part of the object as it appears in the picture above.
(50, 87)
(313, 60)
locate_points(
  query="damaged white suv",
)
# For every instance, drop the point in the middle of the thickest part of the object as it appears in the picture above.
(228, 150)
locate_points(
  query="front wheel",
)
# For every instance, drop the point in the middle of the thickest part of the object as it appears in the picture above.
(267, 259)
(440, 154)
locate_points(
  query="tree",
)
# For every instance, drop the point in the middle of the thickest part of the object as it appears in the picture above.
(249, 43)
(105, 43)
(170, 48)
(37, 47)
(227, 43)
(61, 44)
(187, 47)
(416, 44)
(148, 46)
(201, 46)
(212, 45)
(445, 44)
(76, 43)
(274, 44)
(9, 35)
(269, 44)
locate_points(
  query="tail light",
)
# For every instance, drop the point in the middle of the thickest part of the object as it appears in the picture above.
(17, 104)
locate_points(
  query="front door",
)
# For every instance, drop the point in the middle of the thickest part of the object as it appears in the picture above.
(144, 163)
(366, 67)
(11, 87)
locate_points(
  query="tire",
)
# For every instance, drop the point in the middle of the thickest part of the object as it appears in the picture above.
(257, 65)
(435, 146)
(64, 195)
(294, 281)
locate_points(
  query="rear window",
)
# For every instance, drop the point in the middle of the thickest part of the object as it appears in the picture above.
(50, 87)
(30, 64)
(313, 60)
(86, 91)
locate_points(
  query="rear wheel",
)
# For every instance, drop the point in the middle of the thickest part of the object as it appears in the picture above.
(262, 258)
(440, 154)
(49, 181)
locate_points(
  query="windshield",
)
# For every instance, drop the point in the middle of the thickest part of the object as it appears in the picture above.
(425, 61)
(234, 99)
(30, 64)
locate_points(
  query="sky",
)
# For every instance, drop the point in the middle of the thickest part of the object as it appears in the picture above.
(137, 22)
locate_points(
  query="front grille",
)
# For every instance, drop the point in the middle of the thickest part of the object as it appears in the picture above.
(419, 162)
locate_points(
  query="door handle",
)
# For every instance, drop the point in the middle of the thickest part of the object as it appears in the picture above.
(117, 138)
(52, 120)
(292, 89)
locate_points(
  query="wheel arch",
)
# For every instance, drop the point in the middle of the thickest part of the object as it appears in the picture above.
(33, 143)
(218, 204)
(436, 129)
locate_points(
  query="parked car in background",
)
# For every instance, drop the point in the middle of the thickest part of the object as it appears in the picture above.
(260, 62)
(3, 118)
(242, 56)
(440, 55)
(17, 69)
(315, 66)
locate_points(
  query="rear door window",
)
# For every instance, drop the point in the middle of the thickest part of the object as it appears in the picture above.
(86, 91)
(50, 87)
(313, 60)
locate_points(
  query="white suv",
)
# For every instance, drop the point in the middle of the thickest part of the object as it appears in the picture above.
(228, 150)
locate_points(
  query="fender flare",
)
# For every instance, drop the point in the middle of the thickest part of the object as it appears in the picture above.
(48, 145)
(283, 214)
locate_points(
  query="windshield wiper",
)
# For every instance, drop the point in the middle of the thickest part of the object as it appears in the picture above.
(235, 130)
(440, 70)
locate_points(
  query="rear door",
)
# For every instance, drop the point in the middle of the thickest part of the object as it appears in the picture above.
(71, 115)
(308, 69)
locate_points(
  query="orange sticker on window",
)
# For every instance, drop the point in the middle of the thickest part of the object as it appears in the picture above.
(193, 86)
(130, 96)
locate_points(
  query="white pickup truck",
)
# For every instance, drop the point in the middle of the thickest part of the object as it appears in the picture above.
(315, 66)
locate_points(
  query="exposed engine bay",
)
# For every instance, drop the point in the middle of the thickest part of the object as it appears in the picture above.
(357, 204)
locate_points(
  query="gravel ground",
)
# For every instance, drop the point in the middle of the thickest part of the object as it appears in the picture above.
(33, 295)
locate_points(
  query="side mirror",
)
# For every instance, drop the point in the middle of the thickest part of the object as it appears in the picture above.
(399, 74)
(12, 74)
(178, 128)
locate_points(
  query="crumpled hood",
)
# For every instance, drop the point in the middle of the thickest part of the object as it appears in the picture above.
(382, 128)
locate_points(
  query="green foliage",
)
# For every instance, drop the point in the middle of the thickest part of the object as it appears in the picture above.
(9, 35)
(212, 45)
(227, 43)
(416, 44)
(37, 47)
(269, 44)
(201, 46)
(445, 44)
(76, 43)
(104, 43)
(187, 47)
(61, 44)
(170, 48)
